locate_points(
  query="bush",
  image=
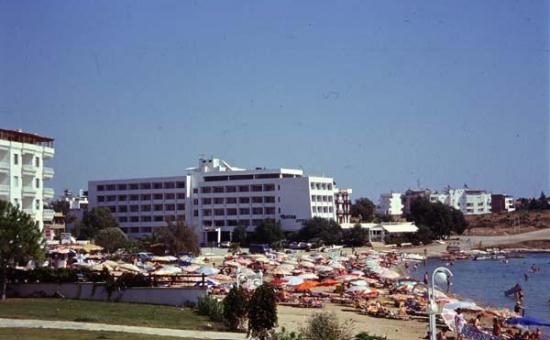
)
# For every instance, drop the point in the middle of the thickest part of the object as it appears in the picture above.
(367, 336)
(235, 309)
(326, 326)
(210, 307)
(262, 312)
(284, 335)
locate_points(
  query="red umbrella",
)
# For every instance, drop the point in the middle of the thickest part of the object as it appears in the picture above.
(305, 286)
(278, 281)
(329, 282)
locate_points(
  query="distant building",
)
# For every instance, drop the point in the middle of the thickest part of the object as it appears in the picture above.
(23, 173)
(390, 205)
(469, 201)
(216, 197)
(502, 203)
(78, 206)
(412, 194)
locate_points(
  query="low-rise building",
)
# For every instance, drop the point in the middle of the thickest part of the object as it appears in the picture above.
(390, 205)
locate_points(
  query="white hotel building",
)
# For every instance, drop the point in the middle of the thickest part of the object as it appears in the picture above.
(215, 197)
(23, 174)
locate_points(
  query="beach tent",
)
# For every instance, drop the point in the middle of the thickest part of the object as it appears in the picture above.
(207, 270)
(527, 321)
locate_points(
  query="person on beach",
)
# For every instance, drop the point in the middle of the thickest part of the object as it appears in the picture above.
(497, 328)
(426, 281)
(442, 334)
(476, 322)
(459, 324)
(449, 283)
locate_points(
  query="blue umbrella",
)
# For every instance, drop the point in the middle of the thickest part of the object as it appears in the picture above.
(527, 321)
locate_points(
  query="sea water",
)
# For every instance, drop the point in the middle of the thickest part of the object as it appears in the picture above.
(485, 281)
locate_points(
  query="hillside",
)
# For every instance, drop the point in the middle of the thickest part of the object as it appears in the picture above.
(507, 223)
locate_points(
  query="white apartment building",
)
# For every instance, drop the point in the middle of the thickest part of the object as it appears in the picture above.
(23, 173)
(343, 205)
(469, 201)
(390, 204)
(215, 197)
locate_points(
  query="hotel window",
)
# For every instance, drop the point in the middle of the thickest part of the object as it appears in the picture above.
(123, 219)
(37, 183)
(146, 229)
(196, 191)
(157, 196)
(134, 186)
(329, 187)
(195, 213)
(169, 196)
(219, 223)
(256, 199)
(218, 190)
(231, 212)
(146, 218)
(256, 188)
(112, 208)
(169, 185)
(269, 187)
(180, 185)
(195, 201)
(231, 200)
(101, 198)
(157, 207)
(37, 162)
(218, 200)
(244, 200)
(145, 197)
(111, 198)
(16, 202)
(269, 199)
(121, 187)
(158, 218)
(218, 212)
(100, 188)
(206, 212)
(134, 197)
(206, 201)
(122, 198)
(134, 208)
(157, 185)
(111, 187)
(244, 211)
(122, 208)
(312, 186)
(181, 206)
(257, 211)
(170, 207)
(270, 211)
(134, 219)
(206, 190)
(231, 189)
(313, 198)
(232, 223)
(15, 159)
(243, 188)
(145, 208)
(37, 204)
(244, 223)
(180, 196)
(145, 186)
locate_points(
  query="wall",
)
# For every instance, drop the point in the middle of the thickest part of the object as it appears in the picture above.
(86, 291)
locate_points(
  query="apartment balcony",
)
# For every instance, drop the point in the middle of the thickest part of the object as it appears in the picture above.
(47, 173)
(48, 153)
(47, 215)
(4, 189)
(29, 190)
(30, 212)
(28, 170)
(47, 193)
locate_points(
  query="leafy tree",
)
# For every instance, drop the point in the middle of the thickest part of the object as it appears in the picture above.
(262, 312)
(327, 326)
(235, 308)
(268, 231)
(95, 220)
(329, 231)
(61, 206)
(363, 208)
(20, 240)
(177, 237)
(111, 239)
(356, 236)
(240, 236)
(441, 219)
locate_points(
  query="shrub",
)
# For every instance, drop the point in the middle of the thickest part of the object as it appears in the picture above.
(326, 326)
(284, 335)
(262, 312)
(367, 336)
(211, 307)
(235, 309)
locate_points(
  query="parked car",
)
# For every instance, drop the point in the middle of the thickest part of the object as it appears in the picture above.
(145, 256)
(259, 249)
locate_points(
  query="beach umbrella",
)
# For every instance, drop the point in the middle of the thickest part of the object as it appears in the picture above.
(305, 286)
(322, 269)
(262, 259)
(247, 272)
(286, 266)
(356, 289)
(293, 280)
(222, 278)
(359, 283)
(197, 260)
(309, 276)
(388, 274)
(291, 261)
(129, 268)
(168, 270)
(337, 265)
(208, 283)
(329, 282)
(232, 264)
(281, 271)
(464, 305)
(190, 268)
(278, 281)
(527, 321)
(207, 270)
(307, 264)
(357, 272)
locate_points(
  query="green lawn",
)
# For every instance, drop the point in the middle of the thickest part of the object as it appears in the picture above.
(106, 312)
(59, 334)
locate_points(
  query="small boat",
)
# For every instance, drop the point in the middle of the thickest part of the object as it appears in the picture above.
(512, 290)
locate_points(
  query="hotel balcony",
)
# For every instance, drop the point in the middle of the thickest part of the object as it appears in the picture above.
(4, 167)
(4, 189)
(28, 170)
(29, 190)
(48, 193)
(48, 153)
(30, 212)
(47, 173)
(47, 214)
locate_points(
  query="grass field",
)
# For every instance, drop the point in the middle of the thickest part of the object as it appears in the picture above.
(106, 312)
(58, 334)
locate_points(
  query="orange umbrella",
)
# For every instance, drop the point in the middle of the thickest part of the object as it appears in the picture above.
(329, 282)
(305, 286)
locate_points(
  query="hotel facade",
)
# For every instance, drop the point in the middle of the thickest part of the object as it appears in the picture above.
(216, 197)
(23, 173)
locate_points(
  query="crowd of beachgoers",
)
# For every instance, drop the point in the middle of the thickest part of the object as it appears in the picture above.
(371, 283)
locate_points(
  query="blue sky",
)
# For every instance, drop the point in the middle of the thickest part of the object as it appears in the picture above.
(381, 95)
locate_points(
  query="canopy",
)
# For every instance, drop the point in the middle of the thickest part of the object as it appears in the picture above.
(527, 321)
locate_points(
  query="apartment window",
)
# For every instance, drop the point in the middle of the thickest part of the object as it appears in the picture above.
(256, 188)
(145, 186)
(231, 200)
(123, 219)
(218, 200)
(257, 199)
(218, 190)
(169, 185)
(158, 218)
(180, 196)
(243, 188)
(15, 159)
(100, 188)
(257, 211)
(37, 161)
(134, 197)
(101, 198)
(157, 196)
(231, 189)
(244, 211)
(218, 212)
(122, 187)
(146, 218)
(244, 200)
(37, 183)
(206, 190)
(269, 187)
(157, 207)
(145, 208)
(169, 196)
(207, 212)
(206, 201)
(122, 197)
(134, 186)
(111, 198)
(37, 204)
(122, 208)
(180, 185)
(231, 212)
(170, 207)
(157, 185)
(270, 211)
(181, 206)
(134, 208)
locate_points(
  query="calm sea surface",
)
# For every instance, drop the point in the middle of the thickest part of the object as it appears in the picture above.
(485, 281)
